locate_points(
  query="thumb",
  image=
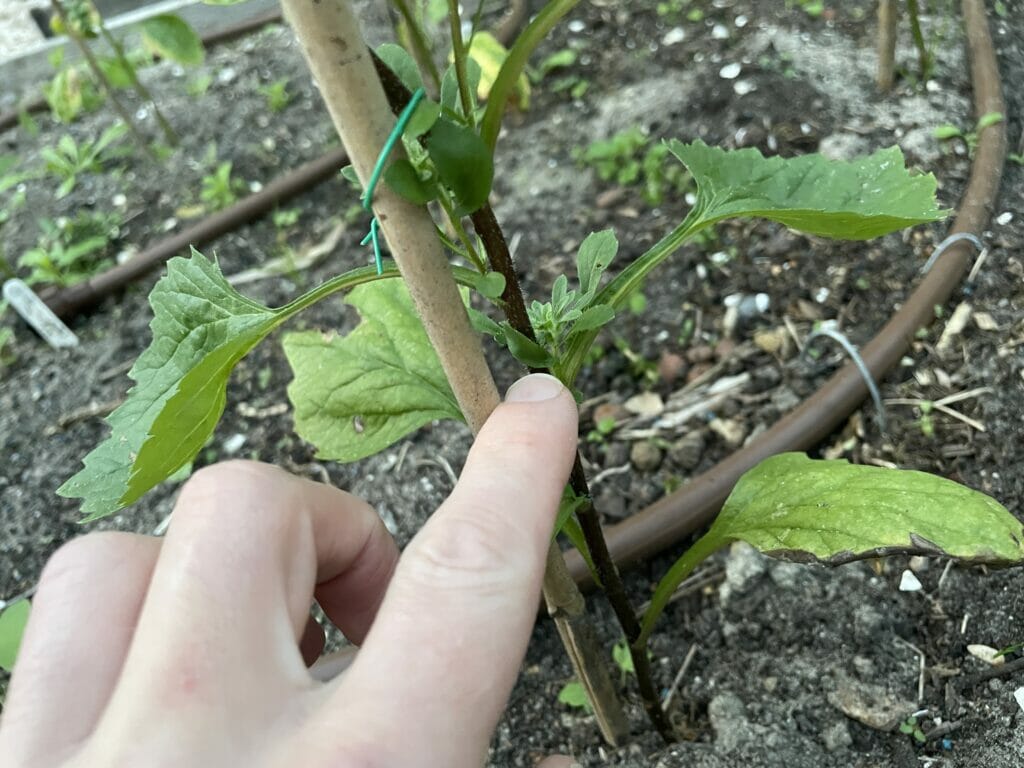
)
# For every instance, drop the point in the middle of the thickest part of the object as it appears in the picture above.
(465, 593)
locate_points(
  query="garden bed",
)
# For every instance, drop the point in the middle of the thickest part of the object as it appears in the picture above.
(783, 652)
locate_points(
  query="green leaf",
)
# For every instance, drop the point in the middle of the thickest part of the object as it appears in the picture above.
(172, 38)
(989, 118)
(801, 509)
(201, 328)
(852, 200)
(12, 626)
(402, 64)
(806, 510)
(594, 317)
(355, 395)
(463, 163)
(944, 132)
(567, 508)
(489, 54)
(622, 657)
(573, 694)
(450, 100)
(423, 118)
(525, 350)
(595, 254)
(492, 285)
(574, 532)
(402, 177)
(483, 324)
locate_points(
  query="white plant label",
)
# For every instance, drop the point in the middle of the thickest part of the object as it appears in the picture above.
(35, 312)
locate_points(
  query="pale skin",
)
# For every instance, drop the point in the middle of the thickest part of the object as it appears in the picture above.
(193, 650)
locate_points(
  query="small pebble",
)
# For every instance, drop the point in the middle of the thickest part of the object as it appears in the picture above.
(1004, 218)
(909, 582)
(730, 71)
(687, 450)
(986, 653)
(645, 456)
(673, 36)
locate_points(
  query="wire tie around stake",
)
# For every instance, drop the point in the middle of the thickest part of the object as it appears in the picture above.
(956, 238)
(378, 169)
(854, 355)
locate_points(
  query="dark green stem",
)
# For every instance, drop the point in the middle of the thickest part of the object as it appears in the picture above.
(420, 46)
(460, 54)
(142, 90)
(97, 72)
(924, 58)
(514, 305)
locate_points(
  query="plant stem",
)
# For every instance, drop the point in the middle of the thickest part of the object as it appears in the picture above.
(923, 57)
(97, 72)
(514, 306)
(460, 232)
(338, 58)
(142, 90)
(887, 18)
(459, 53)
(418, 41)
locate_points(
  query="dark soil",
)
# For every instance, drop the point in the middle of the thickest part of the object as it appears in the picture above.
(779, 647)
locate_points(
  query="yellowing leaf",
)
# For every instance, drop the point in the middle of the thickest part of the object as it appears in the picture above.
(490, 54)
(355, 395)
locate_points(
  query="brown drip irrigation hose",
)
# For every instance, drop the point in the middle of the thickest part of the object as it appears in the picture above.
(67, 301)
(691, 508)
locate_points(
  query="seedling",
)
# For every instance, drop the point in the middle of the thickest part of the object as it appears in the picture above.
(220, 189)
(948, 132)
(70, 92)
(911, 727)
(69, 159)
(630, 158)
(69, 251)
(357, 394)
(276, 94)
(602, 429)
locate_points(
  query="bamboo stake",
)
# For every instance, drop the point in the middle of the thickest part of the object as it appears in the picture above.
(887, 18)
(329, 36)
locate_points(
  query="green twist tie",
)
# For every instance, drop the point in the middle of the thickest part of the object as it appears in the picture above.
(378, 169)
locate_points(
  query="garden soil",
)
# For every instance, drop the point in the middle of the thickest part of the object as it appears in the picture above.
(791, 665)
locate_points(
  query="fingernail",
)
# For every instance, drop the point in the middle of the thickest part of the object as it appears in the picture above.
(534, 388)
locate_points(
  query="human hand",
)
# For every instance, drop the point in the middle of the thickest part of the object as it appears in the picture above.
(190, 651)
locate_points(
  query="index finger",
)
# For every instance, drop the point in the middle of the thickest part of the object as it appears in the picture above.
(452, 631)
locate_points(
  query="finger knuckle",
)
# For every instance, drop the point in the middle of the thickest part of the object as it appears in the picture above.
(477, 549)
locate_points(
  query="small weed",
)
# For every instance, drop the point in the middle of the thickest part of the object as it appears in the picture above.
(813, 8)
(602, 429)
(911, 728)
(69, 159)
(6, 355)
(567, 82)
(220, 189)
(285, 217)
(70, 92)
(199, 85)
(574, 695)
(70, 250)
(629, 158)
(948, 131)
(277, 95)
